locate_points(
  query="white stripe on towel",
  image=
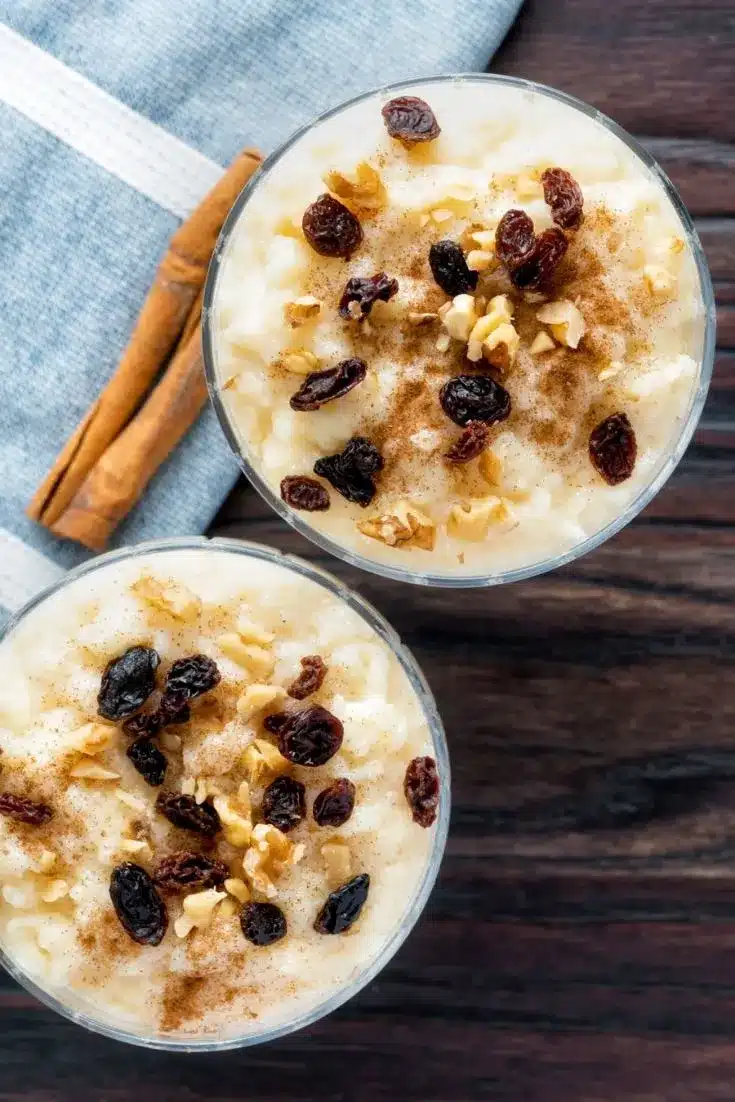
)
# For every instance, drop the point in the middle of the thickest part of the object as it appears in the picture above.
(126, 144)
(23, 571)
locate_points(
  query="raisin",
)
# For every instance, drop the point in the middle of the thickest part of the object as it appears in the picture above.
(127, 682)
(311, 678)
(470, 444)
(421, 786)
(262, 923)
(469, 398)
(148, 760)
(284, 803)
(352, 471)
(309, 737)
(613, 448)
(137, 904)
(276, 722)
(334, 805)
(170, 710)
(184, 812)
(365, 291)
(182, 871)
(330, 228)
(410, 120)
(564, 195)
(302, 492)
(449, 268)
(514, 238)
(190, 677)
(324, 386)
(547, 253)
(23, 810)
(343, 906)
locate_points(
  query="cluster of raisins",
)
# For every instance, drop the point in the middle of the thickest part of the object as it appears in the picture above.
(363, 292)
(531, 260)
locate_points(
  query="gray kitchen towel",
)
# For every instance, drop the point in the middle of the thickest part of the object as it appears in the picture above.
(115, 118)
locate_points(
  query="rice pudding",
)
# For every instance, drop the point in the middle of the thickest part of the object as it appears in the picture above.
(456, 328)
(218, 794)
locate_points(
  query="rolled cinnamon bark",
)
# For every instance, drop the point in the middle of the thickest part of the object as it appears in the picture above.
(171, 301)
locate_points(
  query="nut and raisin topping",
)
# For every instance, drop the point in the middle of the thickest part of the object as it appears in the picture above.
(343, 906)
(469, 398)
(352, 471)
(529, 260)
(139, 907)
(171, 711)
(148, 760)
(421, 786)
(362, 292)
(311, 678)
(470, 444)
(308, 737)
(613, 448)
(284, 803)
(127, 682)
(191, 677)
(410, 120)
(302, 492)
(330, 228)
(262, 923)
(564, 196)
(184, 812)
(449, 268)
(181, 871)
(324, 386)
(334, 805)
(24, 810)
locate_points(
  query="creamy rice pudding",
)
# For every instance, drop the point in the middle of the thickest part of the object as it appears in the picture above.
(218, 794)
(457, 327)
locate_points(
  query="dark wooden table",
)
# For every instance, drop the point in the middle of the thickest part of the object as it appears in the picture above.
(580, 945)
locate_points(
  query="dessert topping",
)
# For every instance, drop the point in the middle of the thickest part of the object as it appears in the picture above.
(309, 737)
(311, 678)
(334, 805)
(564, 196)
(474, 398)
(324, 386)
(470, 444)
(352, 471)
(343, 906)
(184, 870)
(449, 268)
(184, 812)
(24, 810)
(302, 492)
(139, 907)
(410, 120)
(284, 803)
(127, 682)
(613, 448)
(330, 228)
(362, 292)
(262, 923)
(421, 786)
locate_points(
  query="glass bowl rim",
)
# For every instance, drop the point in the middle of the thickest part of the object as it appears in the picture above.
(375, 619)
(463, 581)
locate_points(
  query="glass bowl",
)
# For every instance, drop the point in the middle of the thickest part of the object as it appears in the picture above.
(78, 1008)
(661, 471)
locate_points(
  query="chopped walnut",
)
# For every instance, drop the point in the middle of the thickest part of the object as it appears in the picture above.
(257, 697)
(337, 861)
(256, 659)
(406, 527)
(54, 891)
(613, 368)
(481, 237)
(237, 824)
(131, 801)
(441, 214)
(253, 633)
(473, 520)
(238, 888)
(135, 847)
(565, 321)
(199, 908)
(270, 853)
(459, 317)
(542, 342)
(171, 598)
(658, 280)
(262, 757)
(302, 310)
(490, 467)
(498, 317)
(93, 738)
(299, 361)
(46, 861)
(416, 318)
(501, 346)
(479, 260)
(442, 342)
(364, 189)
(91, 771)
(227, 909)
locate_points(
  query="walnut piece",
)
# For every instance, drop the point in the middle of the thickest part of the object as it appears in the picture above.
(459, 316)
(270, 853)
(491, 331)
(199, 910)
(91, 771)
(658, 280)
(565, 321)
(406, 527)
(255, 698)
(238, 888)
(54, 890)
(169, 597)
(473, 520)
(93, 738)
(363, 189)
(299, 361)
(262, 757)
(302, 310)
(236, 819)
(256, 659)
(542, 342)
(337, 861)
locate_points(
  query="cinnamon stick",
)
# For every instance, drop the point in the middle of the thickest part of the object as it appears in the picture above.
(171, 301)
(125, 468)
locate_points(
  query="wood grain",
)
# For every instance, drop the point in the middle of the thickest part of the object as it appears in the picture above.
(580, 945)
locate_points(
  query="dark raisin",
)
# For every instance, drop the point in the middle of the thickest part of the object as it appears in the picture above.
(613, 448)
(514, 238)
(449, 268)
(184, 812)
(284, 803)
(330, 228)
(352, 471)
(309, 737)
(470, 444)
(421, 786)
(137, 904)
(301, 492)
(276, 722)
(564, 195)
(148, 760)
(469, 398)
(23, 810)
(343, 906)
(169, 711)
(182, 871)
(311, 678)
(548, 251)
(334, 805)
(410, 120)
(364, 292)
(127, 682)
(324, 386)
(190, 677)
(262, 923)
